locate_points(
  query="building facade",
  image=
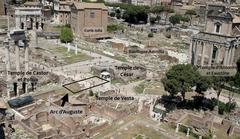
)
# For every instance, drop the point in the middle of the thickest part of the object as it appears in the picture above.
(218, 44)
(29, 17)
(89, 19)
(62, 11)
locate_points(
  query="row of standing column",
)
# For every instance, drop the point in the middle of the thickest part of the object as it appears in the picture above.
(229, 56)
(17, 60)
(195, 50)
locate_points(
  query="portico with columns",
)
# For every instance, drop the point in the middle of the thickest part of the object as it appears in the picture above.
(220, 51)
(28, 18)
(218, 43)
(18, 40)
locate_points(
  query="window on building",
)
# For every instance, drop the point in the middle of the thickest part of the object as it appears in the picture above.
(92, 14)
(217, 27)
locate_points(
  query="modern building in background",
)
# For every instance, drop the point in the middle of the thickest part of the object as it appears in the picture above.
(89, 19)
(62, 11)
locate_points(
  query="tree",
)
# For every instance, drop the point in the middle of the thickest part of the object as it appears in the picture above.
(185, 19)
(190, 13)
(135, 14)
(236, 79)
(230, 106)
(221, 108)
(66, 35)
(171, 85)
(218, 84)
(175, 19)
(202, 84)
(180, 78)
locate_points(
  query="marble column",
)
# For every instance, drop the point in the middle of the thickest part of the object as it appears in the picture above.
(190, 52)
(6, 43)
(196, 53)
(18, 22)
(225, 56)
(210, 56)
(34, 23)
(8, 67)
(76, 49)
(232, 55)
(40, 25)
(218, 55)
(17, 56)
(26, 62)
(26, 50)
(229, 56)
(188, 132)
(203, 54)
(177, 128)
(25, 23)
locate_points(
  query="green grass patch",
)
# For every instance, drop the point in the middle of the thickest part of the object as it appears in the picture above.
(139, 89)
(70, 57)
(119, 58)
(139, 137)
(115, 81)
(114, 27)
(53, 28)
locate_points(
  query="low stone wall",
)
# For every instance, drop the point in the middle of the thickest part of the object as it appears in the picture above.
(96, 129)
(29, 129)
(114, 114)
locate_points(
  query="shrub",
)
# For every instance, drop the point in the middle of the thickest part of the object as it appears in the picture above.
(114, 27)
(175, 19)
(221, 108)
(118, 16)
(168, 35)
(228, 107)
(112, 14)
(91, 93)
(150, 35)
